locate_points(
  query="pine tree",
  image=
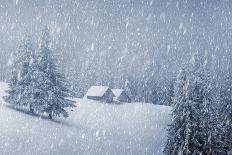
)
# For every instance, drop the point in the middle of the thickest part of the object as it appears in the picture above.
(127, 88)
(201, 96)
(191, 129)
(12, 95)
(20, 78)
(208, 115)
(51, 90)
(217, 139)
(34, 86)
(183, 130)
(226, 100)
(176, 141)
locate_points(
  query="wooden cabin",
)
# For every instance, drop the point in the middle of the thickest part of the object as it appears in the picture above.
(121, 95)
(100, 93)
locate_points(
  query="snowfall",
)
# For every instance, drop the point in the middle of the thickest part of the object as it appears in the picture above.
(91, 128)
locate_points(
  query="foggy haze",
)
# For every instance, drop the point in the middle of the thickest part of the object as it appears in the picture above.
(108, 42)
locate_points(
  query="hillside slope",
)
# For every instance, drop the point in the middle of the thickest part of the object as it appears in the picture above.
(92, 128)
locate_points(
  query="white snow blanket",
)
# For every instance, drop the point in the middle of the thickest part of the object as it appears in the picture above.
(92, 128)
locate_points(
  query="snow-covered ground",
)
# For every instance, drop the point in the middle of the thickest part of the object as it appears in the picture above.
(92, 128)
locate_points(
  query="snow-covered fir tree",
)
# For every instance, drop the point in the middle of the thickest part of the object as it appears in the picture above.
(51, 91)
(217, 134)
(127, 88)
(18, 93)
(176, 140)
(201, 95)
(190, 131)
(208, 114)
(12, 95)
(226, 110)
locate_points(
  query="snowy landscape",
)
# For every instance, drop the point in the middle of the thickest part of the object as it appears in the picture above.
(92, 128)
(115, 77)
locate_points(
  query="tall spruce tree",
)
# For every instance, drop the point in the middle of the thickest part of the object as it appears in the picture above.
(11, 93)
(201, 95)
(209, 114)
(226, 110)
(20, 77)
(190, 131)
(51, 91)
(176, 139)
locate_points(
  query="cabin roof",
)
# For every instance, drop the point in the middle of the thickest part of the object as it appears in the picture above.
(97, 91)
(117, 92)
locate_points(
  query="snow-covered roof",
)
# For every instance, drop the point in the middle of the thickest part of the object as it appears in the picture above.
(117, 92)
(97, 91)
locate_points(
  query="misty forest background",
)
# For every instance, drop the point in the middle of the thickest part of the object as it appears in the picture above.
(137, 44)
